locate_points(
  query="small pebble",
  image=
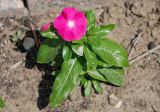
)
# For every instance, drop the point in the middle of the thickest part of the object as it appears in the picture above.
(1, 51)
(51, 15)
(1, 24)
(3, 55)
(114, 101)
(28, 43)
(11, 20)
(151, 45)
(1, 45)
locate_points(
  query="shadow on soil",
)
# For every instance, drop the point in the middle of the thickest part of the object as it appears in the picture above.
(45, 85)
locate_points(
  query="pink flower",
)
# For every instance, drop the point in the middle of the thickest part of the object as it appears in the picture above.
(45, 26)
(71, 24)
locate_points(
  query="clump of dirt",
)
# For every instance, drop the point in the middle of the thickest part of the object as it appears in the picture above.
(25, 88)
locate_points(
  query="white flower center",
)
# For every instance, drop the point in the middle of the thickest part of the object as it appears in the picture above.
(70, 24)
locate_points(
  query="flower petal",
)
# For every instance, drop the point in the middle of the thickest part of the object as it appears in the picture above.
(69, 12)
(81, 30)
(80, 19)
(60, 22)
(45, 26)
(69, 36)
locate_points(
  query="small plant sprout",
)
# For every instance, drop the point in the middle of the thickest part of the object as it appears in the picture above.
(16, 36)
(79, 47)
(2, 105)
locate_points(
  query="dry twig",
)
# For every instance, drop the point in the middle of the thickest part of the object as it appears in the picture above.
(99, 13)
(16, 65)
(31, 25)
(143, 55)
(34, 34)
(136, 39)
(133, 45)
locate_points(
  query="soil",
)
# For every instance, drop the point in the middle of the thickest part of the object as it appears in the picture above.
(25, 88)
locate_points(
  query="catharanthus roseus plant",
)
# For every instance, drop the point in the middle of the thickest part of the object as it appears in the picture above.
(85, 56)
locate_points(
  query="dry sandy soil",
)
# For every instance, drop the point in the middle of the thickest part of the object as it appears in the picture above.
(25, 88)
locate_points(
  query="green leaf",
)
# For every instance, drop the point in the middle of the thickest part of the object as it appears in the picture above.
(97, 86)
(87, 88)
(77, 49)
(48, 50)
(110, 51)
(66, 53)
(14, 39)
(101, 31)
(50, 33)
(90, 57)
(86, 85)
(102, 63)
(83, 63)
(91, 17)
(83, 72)
(65, 81)
(96, 75)
(83, 39)
(113, 75)
(2, 105)
(83, 82)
